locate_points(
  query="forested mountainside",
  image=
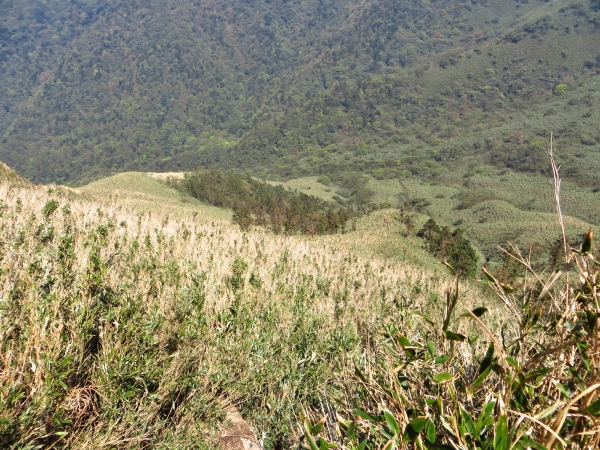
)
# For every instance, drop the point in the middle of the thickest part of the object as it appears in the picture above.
(290, 88)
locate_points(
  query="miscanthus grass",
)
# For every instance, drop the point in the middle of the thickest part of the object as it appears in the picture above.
(533, 384)
(121, 329)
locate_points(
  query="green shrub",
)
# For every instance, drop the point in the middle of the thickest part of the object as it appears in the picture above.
(451, 247)
(560, 89)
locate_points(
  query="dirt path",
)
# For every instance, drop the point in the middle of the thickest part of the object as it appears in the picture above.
(237, 435)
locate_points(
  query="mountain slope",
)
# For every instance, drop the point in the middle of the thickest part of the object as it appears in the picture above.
(145, 79)
(33, 39)
(121, 326)
(269, 85)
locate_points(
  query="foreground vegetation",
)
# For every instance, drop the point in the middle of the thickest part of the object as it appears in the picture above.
(534, 387)
(129, 329)
(121, 329)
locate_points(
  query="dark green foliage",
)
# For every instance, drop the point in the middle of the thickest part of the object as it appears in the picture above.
(49, 208)
(279, 87)
(525, 158)
(257, 203)
(33, 39)
(451, 247)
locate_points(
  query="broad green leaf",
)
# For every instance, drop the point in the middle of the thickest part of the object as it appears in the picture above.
(402, 380)
(431, 348)
(467, 422)
(480, 379)
(488, 275)
(407, 346)
(510, 360)
(387, 433)
(362, 445)
(538, 374)
(594, 408)
(451, 335)
(488, 358)
(350, 432)
(391, 422)
(418, 423)
(591, 319)
(485, 418)
(564, 391)
(323, 444)
(318, 427)
(442, 377)
(430, 432)
(441, 359)
(129, 393)
(404, 342)
(489, 408)
(501, 435)
(311, 441)
(414, 427)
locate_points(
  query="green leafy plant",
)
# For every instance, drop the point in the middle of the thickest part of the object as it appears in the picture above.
(533, 384)
(560, 89)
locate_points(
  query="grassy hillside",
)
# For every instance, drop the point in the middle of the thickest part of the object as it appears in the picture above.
(122, 327)
(126, 326)
(10, 176)
(145, 193)
(495, 206)
(492, 206)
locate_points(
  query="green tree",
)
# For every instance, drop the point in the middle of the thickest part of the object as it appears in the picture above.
(560, 89)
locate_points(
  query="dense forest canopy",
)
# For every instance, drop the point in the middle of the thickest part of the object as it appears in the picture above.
(288, 88)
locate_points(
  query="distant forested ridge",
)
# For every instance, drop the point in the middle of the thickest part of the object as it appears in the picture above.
(291, 88)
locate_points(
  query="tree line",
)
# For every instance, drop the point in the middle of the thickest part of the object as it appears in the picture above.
(257, 203)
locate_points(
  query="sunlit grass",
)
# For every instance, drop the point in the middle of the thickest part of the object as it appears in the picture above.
(124, 328)
(308, 186)
(146, 193)
(503, 206)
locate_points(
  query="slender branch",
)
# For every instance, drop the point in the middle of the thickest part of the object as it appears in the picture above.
(556, 177)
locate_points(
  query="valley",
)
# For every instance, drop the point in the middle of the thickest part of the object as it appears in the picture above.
(336, 220)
